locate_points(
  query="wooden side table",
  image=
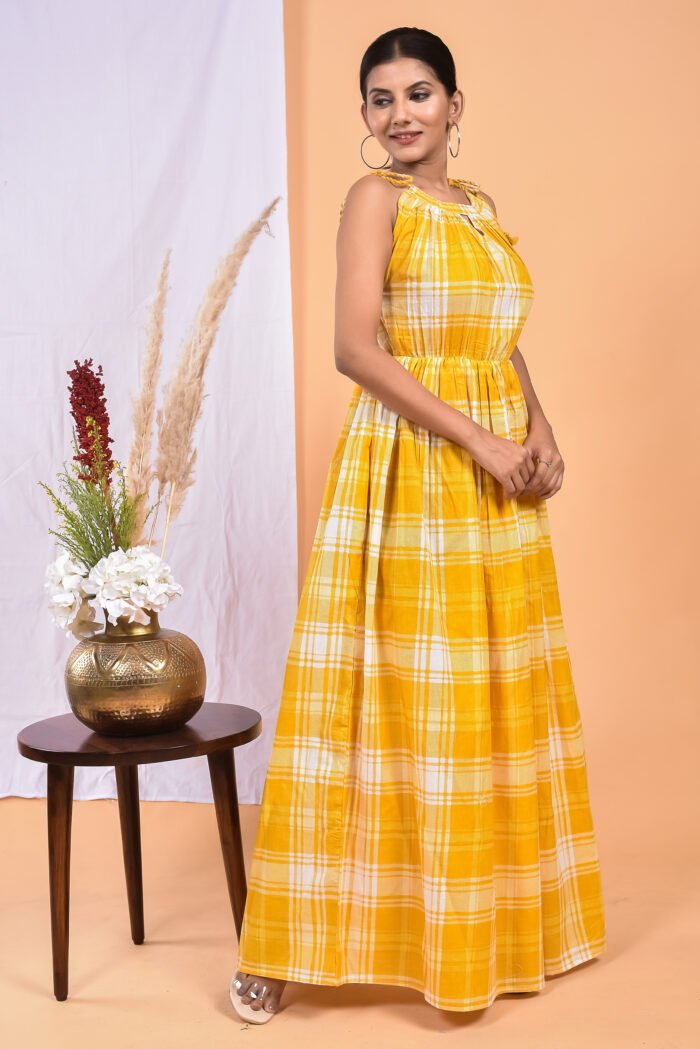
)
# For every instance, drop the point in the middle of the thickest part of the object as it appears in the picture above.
(63, 742)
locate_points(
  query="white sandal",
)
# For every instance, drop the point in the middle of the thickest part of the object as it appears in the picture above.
(244, 1009)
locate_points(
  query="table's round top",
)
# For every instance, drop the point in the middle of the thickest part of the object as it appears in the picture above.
(64, 740)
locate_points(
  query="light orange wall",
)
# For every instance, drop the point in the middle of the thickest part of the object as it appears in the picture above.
(581, 122)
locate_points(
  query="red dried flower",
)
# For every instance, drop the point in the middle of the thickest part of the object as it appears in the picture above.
(87, 399)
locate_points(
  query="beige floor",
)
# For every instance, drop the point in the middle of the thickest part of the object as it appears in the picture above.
(172, 990)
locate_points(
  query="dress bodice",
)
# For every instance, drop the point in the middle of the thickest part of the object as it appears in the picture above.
(454, 285)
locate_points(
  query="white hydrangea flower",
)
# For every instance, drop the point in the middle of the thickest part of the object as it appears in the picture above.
(125, 583)
(68, 602)
(85, 623)
(130, 583)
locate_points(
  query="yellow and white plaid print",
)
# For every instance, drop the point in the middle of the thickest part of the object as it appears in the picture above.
(425, 820)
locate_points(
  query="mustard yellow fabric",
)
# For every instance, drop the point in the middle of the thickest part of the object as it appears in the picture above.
(425, 820)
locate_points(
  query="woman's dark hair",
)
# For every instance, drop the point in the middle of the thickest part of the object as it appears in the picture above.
(410, 42)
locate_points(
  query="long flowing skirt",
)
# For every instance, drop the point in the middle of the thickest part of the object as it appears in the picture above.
(425, 820)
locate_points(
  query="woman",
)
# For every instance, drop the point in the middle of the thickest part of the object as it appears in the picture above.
(425, 820)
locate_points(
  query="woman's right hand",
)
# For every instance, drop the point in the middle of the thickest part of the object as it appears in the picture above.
(509, 462)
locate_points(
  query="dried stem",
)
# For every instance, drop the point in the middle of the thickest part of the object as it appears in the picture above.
(140, 471)
(183, 396)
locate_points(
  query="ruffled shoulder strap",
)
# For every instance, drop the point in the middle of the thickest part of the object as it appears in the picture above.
(397, 178)
(475, 187)
(467, 184)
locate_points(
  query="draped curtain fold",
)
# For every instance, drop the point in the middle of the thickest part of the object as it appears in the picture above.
(129, 129)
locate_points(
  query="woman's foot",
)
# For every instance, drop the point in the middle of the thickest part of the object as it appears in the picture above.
(260, 993)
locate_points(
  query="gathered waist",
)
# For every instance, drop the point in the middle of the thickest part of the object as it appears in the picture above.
(451, 358)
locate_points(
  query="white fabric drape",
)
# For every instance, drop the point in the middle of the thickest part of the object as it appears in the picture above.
(128, 128)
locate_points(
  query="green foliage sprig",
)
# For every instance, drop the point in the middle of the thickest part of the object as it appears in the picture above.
(103, 517)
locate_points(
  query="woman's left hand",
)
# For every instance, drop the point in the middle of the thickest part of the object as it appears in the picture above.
(546, 480)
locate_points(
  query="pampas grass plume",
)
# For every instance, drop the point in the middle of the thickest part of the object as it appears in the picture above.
(184, 394)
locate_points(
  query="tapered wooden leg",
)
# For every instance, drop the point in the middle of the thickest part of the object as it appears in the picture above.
(223, 781)
(59, 807)
(130, 819)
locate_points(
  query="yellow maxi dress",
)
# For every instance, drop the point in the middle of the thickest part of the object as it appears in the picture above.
(425, 820)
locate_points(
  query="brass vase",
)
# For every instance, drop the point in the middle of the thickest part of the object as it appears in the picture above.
(135, 679)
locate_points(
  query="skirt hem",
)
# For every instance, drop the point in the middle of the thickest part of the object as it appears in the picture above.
(511, 986)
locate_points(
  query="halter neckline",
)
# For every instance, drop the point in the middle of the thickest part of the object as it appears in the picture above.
(403, 178)
(482, 212)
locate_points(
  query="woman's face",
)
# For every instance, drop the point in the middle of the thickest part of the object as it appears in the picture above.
(405, 96)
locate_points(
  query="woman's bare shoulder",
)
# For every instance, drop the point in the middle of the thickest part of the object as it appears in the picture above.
(370, 197)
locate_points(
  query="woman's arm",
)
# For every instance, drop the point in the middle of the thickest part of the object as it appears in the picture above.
(535, 411)
(534, 408)
(363, 249)
(549, 474)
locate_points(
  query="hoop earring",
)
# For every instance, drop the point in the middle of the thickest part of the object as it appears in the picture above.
(459, 139)
(376, 167)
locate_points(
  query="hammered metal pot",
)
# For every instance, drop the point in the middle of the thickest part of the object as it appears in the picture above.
(135, 679)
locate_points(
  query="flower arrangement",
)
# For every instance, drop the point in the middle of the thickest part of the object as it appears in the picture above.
(124, 583)
(107, 561)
